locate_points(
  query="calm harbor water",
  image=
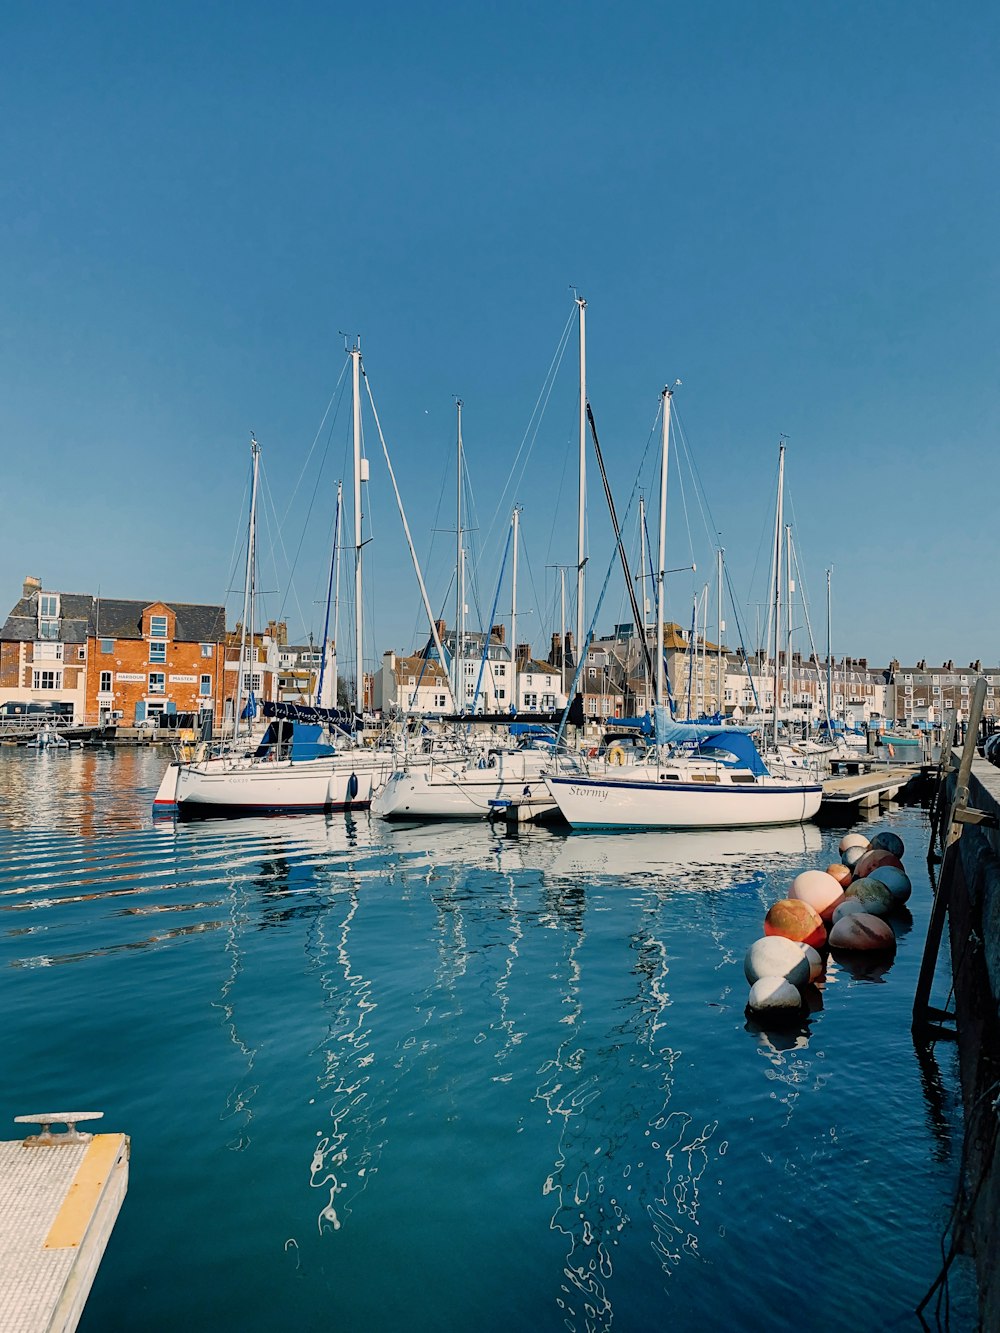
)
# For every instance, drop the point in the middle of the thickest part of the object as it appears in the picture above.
(384, 1078)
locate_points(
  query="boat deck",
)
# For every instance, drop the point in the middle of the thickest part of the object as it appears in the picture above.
(867, 791)
(59, 1197)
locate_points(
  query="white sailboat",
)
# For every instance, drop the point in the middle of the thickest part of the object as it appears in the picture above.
(306, 761)
(693, 775)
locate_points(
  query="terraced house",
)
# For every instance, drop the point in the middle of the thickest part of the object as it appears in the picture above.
(108, 659)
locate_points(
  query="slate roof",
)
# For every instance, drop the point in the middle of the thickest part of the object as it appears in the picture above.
(113, 618)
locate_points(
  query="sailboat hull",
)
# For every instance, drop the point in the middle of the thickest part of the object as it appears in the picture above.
(621, 803)
(217, 789)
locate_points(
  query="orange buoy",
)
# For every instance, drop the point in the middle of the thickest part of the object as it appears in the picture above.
(796, 920)
(841, 873)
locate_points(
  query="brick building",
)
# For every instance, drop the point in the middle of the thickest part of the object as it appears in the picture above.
(110, 659)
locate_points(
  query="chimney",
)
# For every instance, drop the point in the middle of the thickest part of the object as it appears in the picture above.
(31, 586)
(499, 633)
(441, 626)
(523, 652)
(570, 653)
(555, 652)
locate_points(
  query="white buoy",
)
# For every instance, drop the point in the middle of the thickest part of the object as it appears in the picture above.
(853, 840)
(814, 960)
(772, 995)
(774, 956)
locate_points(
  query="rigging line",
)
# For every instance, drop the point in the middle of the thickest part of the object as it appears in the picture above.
(766, 532)
(544, 394)
(699, 490)
(302, 534)
(537, 601)
(338, 388)
(486, 640)
(739, 626)
(581, 656)
(566, 454)
(237, 557)
(802, 578)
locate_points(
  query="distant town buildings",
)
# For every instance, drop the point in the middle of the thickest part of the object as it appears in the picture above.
(104, 660)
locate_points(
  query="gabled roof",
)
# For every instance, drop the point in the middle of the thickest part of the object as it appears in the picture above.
(82, 614)
(532, 664)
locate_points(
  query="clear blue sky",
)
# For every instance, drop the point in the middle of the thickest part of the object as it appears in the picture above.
(792, 207)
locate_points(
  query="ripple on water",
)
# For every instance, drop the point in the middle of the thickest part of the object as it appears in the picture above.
(364, 1064)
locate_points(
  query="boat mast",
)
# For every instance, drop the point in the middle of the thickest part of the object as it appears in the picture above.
(562, 629)
(243, 676)
(661, 558)
(788, 628)
(459, 568)
(359, 684)
(582, 491)
(513, 607)
(779, 514)
(830, 660)
(642, 588)
(722, 627)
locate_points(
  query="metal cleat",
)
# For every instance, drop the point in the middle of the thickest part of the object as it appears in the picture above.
(49, 1118)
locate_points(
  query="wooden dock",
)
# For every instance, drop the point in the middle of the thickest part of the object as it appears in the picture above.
(59, 1198)
(860, 793)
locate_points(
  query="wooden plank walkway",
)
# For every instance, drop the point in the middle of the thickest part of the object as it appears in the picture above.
(868, 790)
(59, 1198)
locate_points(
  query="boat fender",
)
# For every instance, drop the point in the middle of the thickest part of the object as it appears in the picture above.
(592, 752)
(492, 761)
(892, 752)
(352, 786)
(616, 755)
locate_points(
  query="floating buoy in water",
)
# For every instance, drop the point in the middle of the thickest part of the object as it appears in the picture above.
(895, 880)
(814, 960)
(841, 873)
(775, 996)
(795, 919)
(873, 894)
(845, 908)
(890, 842)
(774, 956)
(852, 855)
(818, 889)
(869, 862)
(853, 840)
(864, 932)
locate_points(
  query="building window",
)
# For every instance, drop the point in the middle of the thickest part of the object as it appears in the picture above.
(105, 682)
(157, 651)
(205, 685)
(157, 627)
(157, 682)
(47, 652)
(207, 649)
(440, 700)
(502, 694)
(107, 646)
(501, 669)
(531, 701)
(48, 629)
(48, 605)
(46, 680)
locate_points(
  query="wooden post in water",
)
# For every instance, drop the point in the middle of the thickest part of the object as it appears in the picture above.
(960, 815)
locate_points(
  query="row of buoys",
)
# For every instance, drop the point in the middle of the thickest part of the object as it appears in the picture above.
(843, 907)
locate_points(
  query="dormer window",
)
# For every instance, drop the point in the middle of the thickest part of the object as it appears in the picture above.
(48, 605)
(157, 627)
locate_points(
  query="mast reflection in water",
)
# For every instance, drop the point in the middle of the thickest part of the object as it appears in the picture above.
(383, 1077)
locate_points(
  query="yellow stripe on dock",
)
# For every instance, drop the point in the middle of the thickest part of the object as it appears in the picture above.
(84, 1194)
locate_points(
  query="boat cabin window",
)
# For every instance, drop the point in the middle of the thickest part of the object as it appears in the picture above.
(704, 777)
(670, 777)
(742, 777)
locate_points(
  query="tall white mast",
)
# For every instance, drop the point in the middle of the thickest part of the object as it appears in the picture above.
(661, 557)
(245, 673)
(829, 659)
(459, 691)
(562, 628)
(513, 606)
(790, 585)
(642, 591)
(582, 495)
(359, 669)
(722, 630)
(779, 514)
